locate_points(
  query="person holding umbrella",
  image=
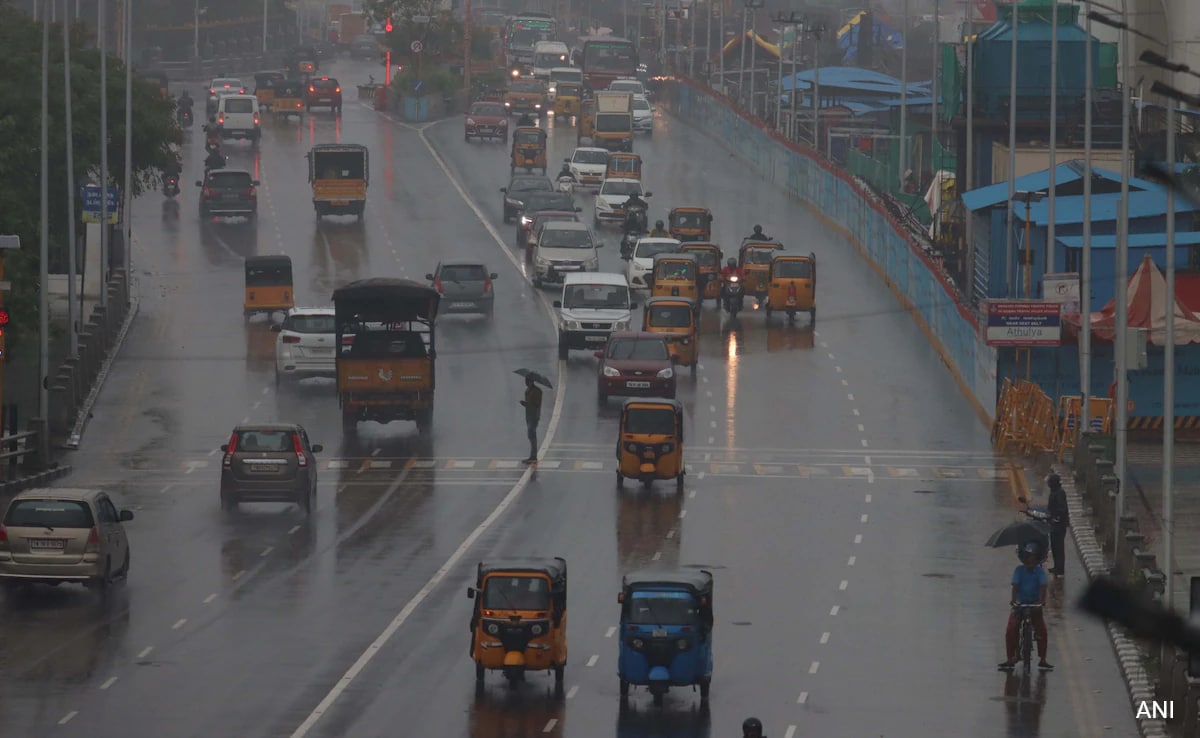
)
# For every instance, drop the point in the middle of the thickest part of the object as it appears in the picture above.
(1060, 520)
(533, 408)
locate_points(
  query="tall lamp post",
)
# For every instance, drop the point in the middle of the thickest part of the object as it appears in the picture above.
(197, 11)
(786, 20)
(753, 6)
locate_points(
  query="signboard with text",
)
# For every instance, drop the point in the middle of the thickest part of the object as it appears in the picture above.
(1064, 289)
(91, 204)
(1023, 323)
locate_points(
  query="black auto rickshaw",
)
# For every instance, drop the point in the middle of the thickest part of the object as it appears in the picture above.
(519, 620)
(288, 98)
(529, 149)
(268, 285)
(264, 88)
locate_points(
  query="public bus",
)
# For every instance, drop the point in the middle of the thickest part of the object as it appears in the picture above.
(523, 33)
(606, 58)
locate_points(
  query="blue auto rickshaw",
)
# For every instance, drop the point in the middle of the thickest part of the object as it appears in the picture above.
(666, 631)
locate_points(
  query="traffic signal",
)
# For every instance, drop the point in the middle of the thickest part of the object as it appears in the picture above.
(387, 26)
(4, 318)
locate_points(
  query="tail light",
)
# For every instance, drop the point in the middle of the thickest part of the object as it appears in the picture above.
(243, 92)
(206, 193)
(487, 284)
(212, 92)
(312, 88)
(437, 285)
(3, 538)
(250, 193)
(256, 119)
(229, 450)
(291, 339)
(347, 340)
(93, 542)
(221, 119)
(301, 459)
(338, 90)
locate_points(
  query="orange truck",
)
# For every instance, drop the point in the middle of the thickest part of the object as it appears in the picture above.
(350, 27)
(339, 174)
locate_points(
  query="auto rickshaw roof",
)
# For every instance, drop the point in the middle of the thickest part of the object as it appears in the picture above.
(675, 405)
(794, 257)
(387, 298)
(706, 211)
(271, 74)
(555, 568)
(335, 147)
(676, 256)
(698, 581)
(687, 302)
(534, 129)
(751, 243)
(693, 246)
(267, 262)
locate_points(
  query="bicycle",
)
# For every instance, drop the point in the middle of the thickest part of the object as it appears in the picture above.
(1025, 632)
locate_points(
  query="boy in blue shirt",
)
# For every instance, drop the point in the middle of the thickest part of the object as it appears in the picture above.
(1029, 584)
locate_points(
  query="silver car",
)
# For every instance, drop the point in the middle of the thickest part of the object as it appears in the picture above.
(57, 535)
(465, 287)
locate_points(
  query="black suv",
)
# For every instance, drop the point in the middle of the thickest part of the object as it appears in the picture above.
(228, 192)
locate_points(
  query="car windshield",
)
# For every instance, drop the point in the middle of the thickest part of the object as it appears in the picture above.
(675, 270)
(239, 105)
(792, 269)
(652, 421)
(621, 188)
(641, 103)
(229, 180)
(309, 324)
(649, 249)
(530, 184)
(564, 239)
(662, 609)
(49, 513)
(549, 201)
(759, 256)
(590, 157)
(670, 316)
(638, 349)
(463, 273)
(526, 85)
(611, 296)
(492, 110)
(325, 84)
(265, 441)
(516, 593)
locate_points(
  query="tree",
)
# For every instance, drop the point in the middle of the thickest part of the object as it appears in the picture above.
(441, 36)
(154, 134)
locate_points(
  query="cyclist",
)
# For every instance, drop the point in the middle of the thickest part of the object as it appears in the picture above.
(1029, 584)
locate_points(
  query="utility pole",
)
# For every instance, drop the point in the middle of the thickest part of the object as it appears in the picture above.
(102, 32)
(902, 165)
(44, 251)
(72, 243)
(7, 243)
(785, 20)
(127, 193)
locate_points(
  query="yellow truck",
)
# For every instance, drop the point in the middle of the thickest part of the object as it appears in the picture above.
(614, 121)
(339, 174)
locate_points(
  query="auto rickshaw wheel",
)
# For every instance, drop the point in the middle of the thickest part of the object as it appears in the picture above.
(767, 312)
(679, 481)
(543, 170)
(560, 673)
(704, 687)
(620, 480)
(695, 365)
(424, 420)
(478, 672)
(812, 315)
(658, 699)
(349, 422)
(624, 688)
(791, 316)
(601, 397)
(647, 482)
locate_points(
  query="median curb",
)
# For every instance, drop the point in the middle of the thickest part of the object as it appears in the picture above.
(34, 480)
(1083, 531)
(85, 410)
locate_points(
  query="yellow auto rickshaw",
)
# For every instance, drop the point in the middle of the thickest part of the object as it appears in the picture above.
(650, 441)
(586, 127)
(792, 285)
(566, 101)
(622, 165)
(675, 318)
(529, 149)
(288, 98)
(754, 258)
(676, 275)
(708, 258)
(690, 224)
(268, 285)
(264, 88)
(519, 621)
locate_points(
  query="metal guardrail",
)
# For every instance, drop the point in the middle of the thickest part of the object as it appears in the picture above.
(18, 450)
(204, 69)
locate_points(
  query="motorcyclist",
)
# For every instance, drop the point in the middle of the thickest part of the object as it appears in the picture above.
(1029, 585)
(634, 202)
(526, 120)
(659, 231)
(212, 138)
(185, 102)
(215, 160)
(758, 235)
(566, 172)
(731, 269)
(752, 728)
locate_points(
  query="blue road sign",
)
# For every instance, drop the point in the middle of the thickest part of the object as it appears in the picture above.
(417, 85)
(91, 204)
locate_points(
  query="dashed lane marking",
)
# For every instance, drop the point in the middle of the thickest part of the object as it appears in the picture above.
(68, 717)
(266, 552)
(179, 624)
(109, 682)
(574, 690)
(657, 555)
(813, 668)
(800, 701)
(833, 611)
(592, 661)
(791, 729)
(843, 585)
(550, 725)
(824, 638)
(210, 598)
(293, 529)
(609, 633)
(145, 652)
(850, 561)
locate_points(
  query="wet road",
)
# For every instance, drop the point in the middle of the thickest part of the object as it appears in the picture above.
(839, 489)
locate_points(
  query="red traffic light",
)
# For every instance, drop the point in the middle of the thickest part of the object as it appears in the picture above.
(3, 317)
(387, 27)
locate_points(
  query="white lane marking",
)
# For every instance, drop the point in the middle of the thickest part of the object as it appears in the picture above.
(266, 390)
(863, 518)
(657, 555)
(550, 725)
(791, 730)
(861, 428)
(824, 638)
(845, 383)
(266, 551)
(246, 419)
(867, 459)
(703, 379)
(572, 691)
(831, 356)
(856, 412)
(239, 574)
(858, 538)
(693, 492)
(813, 669)
(609, 633)
(169, 486)
(293, 529)
(712, 424)
(800, 701)
(823, 344)
(868, 498)
(179, 624)
(838, 369)
(864, 443)
(377, 451)
(843, 585)
(109, 682)
(67, 718)
(682, 514)
(145, 652)
(850, 397)
(708, 393)
(213, 452)
(851, 560)
(712, 408)
(256, 404)
(210, 598)
(671, 533)
(711, 440)
(834, 610)
(592, 661)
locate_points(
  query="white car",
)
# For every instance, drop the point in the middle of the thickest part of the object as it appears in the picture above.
(641, 261)
(305, 346)
(563, 248)
(237, 117)
(588, 164)
(643, 115)
(219, 87)
(593, 305)
(610, 200)
(631, 85)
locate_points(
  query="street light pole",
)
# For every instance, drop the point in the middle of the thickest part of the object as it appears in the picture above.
(1169, 365)
(127, 193)
(708, 13)
(970, 230)
(721, 45)
(902, 163)
(1122, 272)
(44, 251)
(264, 35)
(1085, 276)
(742, 66)
(102, 32)
(195, 29)
(72, 243)
(1015, 10)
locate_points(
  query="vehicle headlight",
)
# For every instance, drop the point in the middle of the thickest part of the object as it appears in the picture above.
(666, 373)
(638, 643)
(684, 644)
(537, 629)
(539, 261)
(537, 105)
(470, 121)
(571, 325)
(621, 325)
(503, 123)
(526, 220)
(631, 447)
(602, 205)
(493, 629)
(507, 104)
(610, 372)
(593, 263)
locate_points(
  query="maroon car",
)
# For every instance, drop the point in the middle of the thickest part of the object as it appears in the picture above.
(485, 120)
(324, 92)
(635, 364)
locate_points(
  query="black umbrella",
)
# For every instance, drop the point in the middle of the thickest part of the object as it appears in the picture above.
(1015, 534)
(531, 374)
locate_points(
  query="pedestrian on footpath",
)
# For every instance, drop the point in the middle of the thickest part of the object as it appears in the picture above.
(533, 414)
(1060, 520)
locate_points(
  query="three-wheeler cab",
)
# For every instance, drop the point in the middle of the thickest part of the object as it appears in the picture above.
(264, 88)
(529, 149)
(690, 224)
(754, 257)
(792, 285)
(650, 441)
(268, 285)
(624, 165)
(666, 631)
(676, 275)
(709, 258)
(675, 319)
(519, 619)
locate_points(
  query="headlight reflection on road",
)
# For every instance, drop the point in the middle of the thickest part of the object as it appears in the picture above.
(387, 158)
(731, 379)
(337, 128)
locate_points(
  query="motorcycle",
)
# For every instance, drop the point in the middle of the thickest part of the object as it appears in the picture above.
(733, 295)
(566, 183)
(212, 141)
(171, 185)
(635, 227)
(185, 117)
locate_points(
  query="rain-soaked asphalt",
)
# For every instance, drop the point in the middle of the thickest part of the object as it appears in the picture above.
(840, 491)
